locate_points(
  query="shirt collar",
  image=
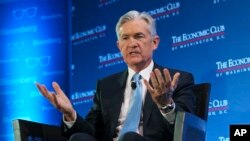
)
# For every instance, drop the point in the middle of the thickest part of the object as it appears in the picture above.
(145, 73)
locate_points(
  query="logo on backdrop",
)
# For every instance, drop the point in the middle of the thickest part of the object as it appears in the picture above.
(218, 107)
(82, 97)
(19, 30)
(52, 16)
(218, 1)
(232, 66)
(222, 138)
(19, 14)
(110, 59)
(106, 2)
(210, 34)
(18, 80)
(166, 11)
(48, 41)
(89, 35)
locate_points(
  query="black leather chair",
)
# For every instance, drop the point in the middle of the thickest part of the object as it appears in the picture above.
(192, 127)
(25, 130)
(188, 127)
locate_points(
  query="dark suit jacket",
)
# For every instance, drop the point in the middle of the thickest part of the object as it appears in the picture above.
(102, 119)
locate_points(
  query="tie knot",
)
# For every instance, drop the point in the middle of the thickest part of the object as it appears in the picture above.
(136, 77)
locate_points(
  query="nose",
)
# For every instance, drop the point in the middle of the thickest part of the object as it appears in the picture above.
(132, 43)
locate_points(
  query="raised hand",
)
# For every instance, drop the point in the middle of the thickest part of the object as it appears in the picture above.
(162, 86)
(58, 99)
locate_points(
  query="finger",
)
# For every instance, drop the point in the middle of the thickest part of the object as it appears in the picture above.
(59, 91)
(148, 86)
(57, 88)
(55, 101)
(43, 90)
(167, 78)
(160, 79)
(52, 98)
(175, 80)
(38, 86)
(151, 90)
(153, 79)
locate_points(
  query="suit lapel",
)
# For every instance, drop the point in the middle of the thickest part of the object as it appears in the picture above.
(117, 100)
(148, 107)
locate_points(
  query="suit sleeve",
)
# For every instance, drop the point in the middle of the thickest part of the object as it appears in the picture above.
(87, 125)
(183, 95)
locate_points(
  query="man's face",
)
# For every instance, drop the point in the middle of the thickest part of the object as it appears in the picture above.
(136, 44)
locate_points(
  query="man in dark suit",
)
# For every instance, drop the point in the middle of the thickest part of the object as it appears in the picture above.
(164, 91)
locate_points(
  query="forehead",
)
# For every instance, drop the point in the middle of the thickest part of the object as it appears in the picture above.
(134, 26)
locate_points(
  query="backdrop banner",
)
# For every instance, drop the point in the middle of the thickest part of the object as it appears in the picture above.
(209, 38)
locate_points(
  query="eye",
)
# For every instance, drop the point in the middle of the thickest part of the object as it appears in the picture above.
(124, 37)
(139, 36)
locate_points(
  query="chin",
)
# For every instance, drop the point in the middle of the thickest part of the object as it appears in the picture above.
(135, 61)
(139, 63)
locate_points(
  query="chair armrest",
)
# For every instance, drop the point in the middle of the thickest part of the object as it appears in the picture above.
(28, 130)
(189, 127)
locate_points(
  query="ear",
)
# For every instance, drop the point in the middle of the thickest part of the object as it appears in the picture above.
(156, 41)
(118, 45)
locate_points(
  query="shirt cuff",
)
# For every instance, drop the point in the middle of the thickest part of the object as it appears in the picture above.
(170, 116)
(69, 124)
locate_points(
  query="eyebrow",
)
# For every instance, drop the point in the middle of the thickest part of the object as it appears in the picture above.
(138, 33)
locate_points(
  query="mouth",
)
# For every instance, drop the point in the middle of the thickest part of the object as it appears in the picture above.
(134, 52)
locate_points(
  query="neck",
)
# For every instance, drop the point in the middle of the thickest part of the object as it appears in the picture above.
(139, 67)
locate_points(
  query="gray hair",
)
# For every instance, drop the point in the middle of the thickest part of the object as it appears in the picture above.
(133, 15)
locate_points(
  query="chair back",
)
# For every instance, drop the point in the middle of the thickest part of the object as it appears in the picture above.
(202, 94)
(192, 127)
(25, 130)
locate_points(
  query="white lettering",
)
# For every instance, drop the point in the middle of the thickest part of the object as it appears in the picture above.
(223, 139)
(88, 33)
(197, 34)
(221, 65)
(239, 132)
(218, 103)
(109, 57)
(168, 7)
(237, 62)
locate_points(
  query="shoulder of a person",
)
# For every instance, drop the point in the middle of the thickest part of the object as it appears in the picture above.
(115, 76)
(172, 70)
